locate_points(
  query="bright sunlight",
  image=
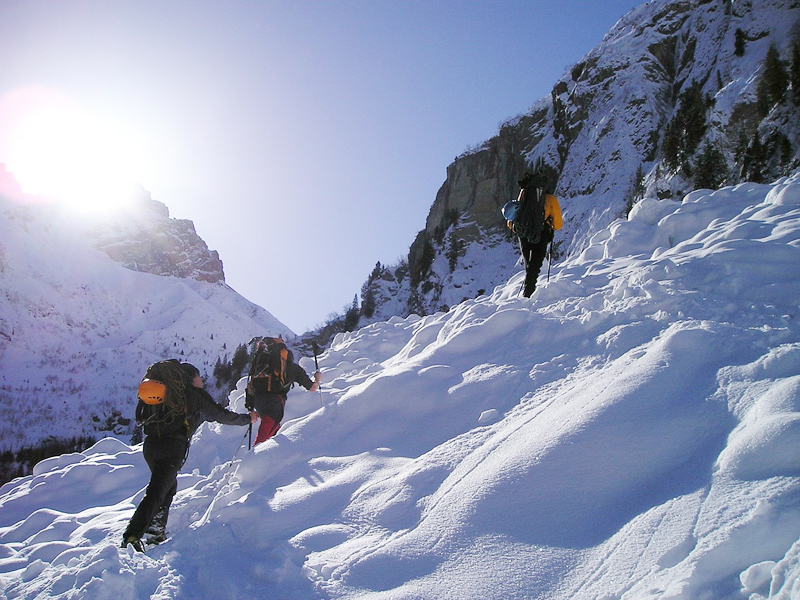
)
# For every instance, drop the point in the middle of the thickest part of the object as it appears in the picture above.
(58, 149)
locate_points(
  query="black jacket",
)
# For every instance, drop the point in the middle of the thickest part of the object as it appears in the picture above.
(200, 407)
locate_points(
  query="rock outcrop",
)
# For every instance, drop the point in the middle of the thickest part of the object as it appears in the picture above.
(146, 239)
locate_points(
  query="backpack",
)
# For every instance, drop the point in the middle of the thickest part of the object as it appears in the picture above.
(269, 370)
(162, 408)
(529, 221)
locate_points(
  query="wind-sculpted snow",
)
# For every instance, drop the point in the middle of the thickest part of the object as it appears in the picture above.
(629, 432)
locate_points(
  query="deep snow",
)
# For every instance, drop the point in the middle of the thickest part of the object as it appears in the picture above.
(629, 432)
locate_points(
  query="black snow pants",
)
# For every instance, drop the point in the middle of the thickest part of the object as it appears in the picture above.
(165, 457)
(533, 256)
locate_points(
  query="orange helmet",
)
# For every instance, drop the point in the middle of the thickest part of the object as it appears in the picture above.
(152, 391)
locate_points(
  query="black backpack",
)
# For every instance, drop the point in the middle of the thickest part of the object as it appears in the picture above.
(270, 368)
(530, 222)
(162, 409)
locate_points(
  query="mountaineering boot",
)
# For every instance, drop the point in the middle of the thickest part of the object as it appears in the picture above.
(134, 541)
(157, 530)
(155, 539)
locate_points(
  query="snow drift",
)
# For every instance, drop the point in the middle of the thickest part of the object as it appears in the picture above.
(629, 432)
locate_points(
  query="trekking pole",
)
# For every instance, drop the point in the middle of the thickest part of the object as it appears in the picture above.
(247, 399)
(549, 260)
(316, 364)
(240, 445)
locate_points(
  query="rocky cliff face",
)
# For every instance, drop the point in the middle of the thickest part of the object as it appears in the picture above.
(620, 125)
(146, 239)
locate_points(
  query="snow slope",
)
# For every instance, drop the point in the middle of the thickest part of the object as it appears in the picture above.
(630, 432)
(77, 329)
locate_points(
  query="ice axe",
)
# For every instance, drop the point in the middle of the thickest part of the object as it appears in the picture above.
(315, 347)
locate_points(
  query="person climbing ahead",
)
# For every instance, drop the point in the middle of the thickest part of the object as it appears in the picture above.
(172, 405)
(272, 374)
(535, 217)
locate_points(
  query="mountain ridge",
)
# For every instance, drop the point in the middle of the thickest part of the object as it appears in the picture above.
(602, 136)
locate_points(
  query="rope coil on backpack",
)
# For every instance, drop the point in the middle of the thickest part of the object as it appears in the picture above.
(171, 376)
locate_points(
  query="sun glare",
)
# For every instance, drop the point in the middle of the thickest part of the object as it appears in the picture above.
(57, 149)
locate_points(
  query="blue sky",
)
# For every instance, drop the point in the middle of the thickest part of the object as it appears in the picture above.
(306, 140)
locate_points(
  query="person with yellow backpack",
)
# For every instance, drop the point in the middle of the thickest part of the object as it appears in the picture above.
(535, 217)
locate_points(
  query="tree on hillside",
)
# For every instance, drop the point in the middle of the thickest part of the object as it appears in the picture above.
(20, 463)
(687, 127)
(351, 316)
(368, 293)
(368, 303)
(711, 168)
(455, 248)
(240, 360)
(739, 43)
(794, 73)
(422, 266)
(636, 191)
(773, 82)
(449, 219)
(370, 289)
(753, 162)
(226, 373)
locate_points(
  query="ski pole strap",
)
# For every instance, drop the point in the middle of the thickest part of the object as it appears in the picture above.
(315, 349)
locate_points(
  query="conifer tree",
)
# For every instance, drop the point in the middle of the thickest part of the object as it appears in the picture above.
(739, 42)
(454, 250)
(351, 316)
(422, 265)
(687, 127)
(711, 168)
(368, 303)
(672, 145)
(240, 359)
(636, 191)
(753, 164)
(773, 83)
